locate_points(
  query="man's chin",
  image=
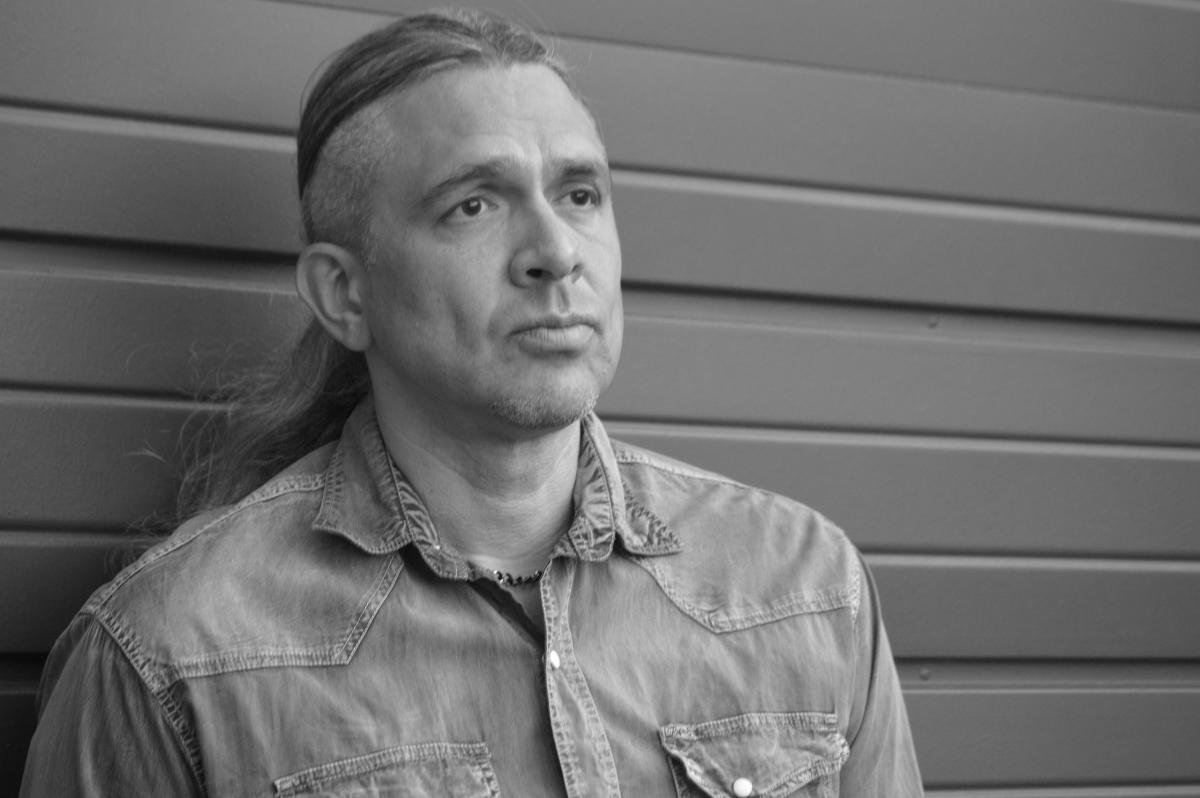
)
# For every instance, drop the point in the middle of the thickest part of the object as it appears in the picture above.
(544, 412)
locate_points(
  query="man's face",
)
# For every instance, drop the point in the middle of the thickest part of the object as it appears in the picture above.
(493, 288)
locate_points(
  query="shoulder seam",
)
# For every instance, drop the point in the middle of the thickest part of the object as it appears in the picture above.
(168, 546)
(279, 487)
(158, 685)
(629, 458)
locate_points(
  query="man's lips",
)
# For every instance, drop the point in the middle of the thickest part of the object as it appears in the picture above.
(565, 333)
(558, 322)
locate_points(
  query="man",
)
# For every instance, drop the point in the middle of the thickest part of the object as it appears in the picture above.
(466, 588)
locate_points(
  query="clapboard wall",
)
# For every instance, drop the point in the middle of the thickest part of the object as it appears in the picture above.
(931, 266)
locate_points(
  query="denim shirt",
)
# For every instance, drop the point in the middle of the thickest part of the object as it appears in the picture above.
(702, 638)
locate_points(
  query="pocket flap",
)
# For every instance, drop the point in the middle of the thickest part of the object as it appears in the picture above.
(458, 769)
(764, 754)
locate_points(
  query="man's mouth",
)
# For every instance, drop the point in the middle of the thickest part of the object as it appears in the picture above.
(557, 333)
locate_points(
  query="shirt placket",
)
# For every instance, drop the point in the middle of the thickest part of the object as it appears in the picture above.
(584, 753)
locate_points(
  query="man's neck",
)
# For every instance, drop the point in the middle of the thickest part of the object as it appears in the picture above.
(501, 503)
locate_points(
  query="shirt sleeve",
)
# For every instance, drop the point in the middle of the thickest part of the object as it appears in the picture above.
(882, 759)
(101, 732)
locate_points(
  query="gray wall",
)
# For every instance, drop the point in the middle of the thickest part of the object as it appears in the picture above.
(931, 266)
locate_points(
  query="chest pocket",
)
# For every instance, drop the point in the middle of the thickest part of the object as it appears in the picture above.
(759, 755)
(458, 769)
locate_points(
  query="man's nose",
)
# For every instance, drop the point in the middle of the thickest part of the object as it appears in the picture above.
(548, 249)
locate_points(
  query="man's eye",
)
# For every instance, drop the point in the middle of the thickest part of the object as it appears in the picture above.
(584, 197)
(471, 207)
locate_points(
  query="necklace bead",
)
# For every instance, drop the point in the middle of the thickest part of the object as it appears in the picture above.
(516, 580)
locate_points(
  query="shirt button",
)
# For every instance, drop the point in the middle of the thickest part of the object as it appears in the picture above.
(742, 788)
(553, 659)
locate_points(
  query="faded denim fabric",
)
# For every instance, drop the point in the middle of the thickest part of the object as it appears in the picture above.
(702, 638)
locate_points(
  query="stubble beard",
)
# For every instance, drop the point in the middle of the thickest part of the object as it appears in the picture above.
(544, 410)
(554, 403)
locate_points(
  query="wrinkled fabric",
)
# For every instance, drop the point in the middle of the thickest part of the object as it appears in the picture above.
(702, 638)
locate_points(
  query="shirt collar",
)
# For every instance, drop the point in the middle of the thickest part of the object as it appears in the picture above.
(368, 501)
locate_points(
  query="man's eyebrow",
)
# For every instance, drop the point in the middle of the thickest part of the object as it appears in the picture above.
(585, 168)
(471, 173)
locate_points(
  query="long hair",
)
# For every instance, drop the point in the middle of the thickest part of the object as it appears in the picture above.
(279, 413)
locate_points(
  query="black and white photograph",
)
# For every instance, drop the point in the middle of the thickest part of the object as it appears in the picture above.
(626, 399)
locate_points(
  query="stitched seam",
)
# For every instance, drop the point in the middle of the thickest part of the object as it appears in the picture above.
(370, 606)
(612, 508)
(581, 694)
(171, 545)
(272, 490)
(234, 661)
(633, 459)
(564, 743)
(594, 727)
(681, 739)
(824, 601)
(662, 539)
(158, 686)
(398, 498)
(856, 593)
(229, 661)
(331, 773)
(629, 458)
(829, 600)
(751, 722)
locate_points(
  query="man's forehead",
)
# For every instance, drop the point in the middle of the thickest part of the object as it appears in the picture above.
(489, 119)
(492, 102)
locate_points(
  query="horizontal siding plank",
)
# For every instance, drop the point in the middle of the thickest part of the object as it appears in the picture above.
(780, 124)
(713, 372)
(1044, 608)
(991, 675)
(80, 318)
(72, 175)
(1129, 52)
(142, 58)
(87, 462)
(906, 378)
(733, 236)
(1068, 737)
(1001, 608)
(36, 609)
(661, 110)
(890, 493)
(69, 175)
(900, 493)
(1132, 791)
(16, 727)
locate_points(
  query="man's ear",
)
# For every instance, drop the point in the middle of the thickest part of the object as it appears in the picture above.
(332, 282)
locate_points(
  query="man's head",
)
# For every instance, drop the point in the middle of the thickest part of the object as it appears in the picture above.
(340, 141)
(461, 229)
